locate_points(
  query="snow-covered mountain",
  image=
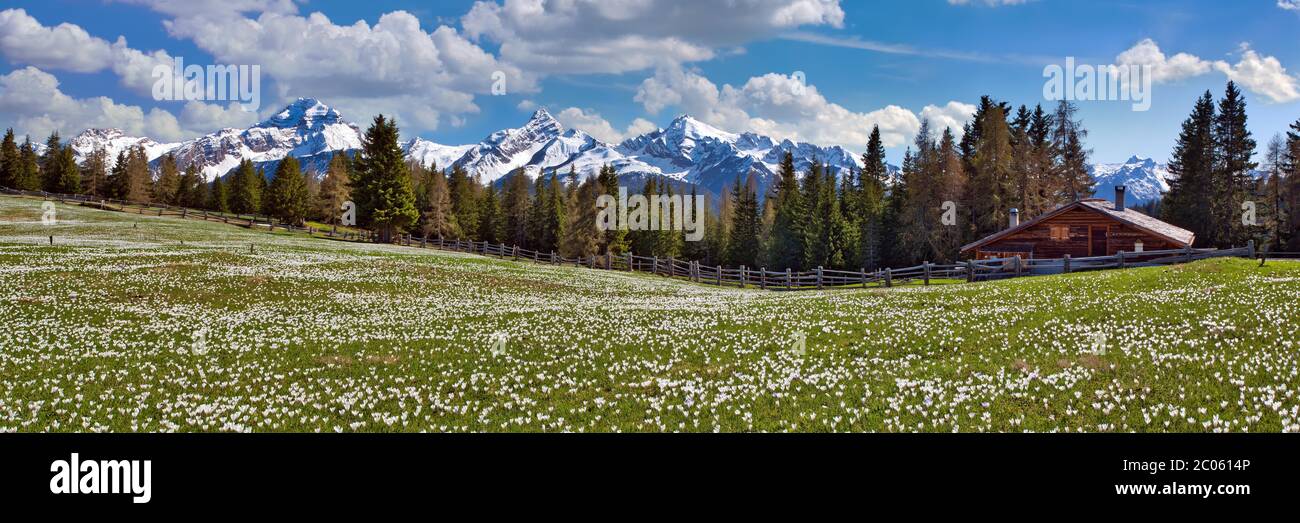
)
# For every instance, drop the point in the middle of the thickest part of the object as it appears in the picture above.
(686, 152)
(1145, 179)
(307, 129)
(114, 141)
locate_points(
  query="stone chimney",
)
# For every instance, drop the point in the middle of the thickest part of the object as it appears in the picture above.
(1119, 197)
(1015, 218)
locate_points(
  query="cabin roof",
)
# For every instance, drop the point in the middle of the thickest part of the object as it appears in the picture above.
(1106, 208)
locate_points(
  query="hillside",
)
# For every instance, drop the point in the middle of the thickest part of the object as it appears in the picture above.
(241, 330)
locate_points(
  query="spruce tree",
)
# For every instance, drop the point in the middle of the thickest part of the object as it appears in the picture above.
(516, 204)
(1231, 180)
(28, 175)
(744, 243)
(245, 190)
(871, 202)
(192, 191)
(1290, 189)
(218, 196)
(464, 202)
(52, 164)
(582, 237)
(382, 186)
(9, 160)
(491, 226)
(69, 174)
(1191, 167)
(787, 244)
(288, 198)
(991, 179)
(119, 184)
(615, 239)
(1071, 162)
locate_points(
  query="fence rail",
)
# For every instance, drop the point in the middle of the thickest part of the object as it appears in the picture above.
(740, 277)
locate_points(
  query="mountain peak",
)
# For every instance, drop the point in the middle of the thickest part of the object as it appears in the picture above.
(541, 114)
(304, 112)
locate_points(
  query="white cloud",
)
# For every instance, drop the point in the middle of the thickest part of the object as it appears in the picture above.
(1289, 5)
(31, 99)
(953, 116)
(779, 106)
(66, 46)
(1163, 69)
(594, 124)
(603, 36)
(527, 106)
(1263, 75)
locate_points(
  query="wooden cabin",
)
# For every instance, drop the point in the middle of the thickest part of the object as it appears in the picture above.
(1091, 227)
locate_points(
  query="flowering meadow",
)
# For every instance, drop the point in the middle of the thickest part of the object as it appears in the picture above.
(139, 323)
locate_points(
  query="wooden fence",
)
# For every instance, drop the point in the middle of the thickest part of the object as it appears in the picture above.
(741, 277)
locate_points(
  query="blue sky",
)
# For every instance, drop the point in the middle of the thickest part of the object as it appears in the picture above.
(617, 72)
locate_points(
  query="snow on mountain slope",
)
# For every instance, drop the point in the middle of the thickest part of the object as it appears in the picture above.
(1145, 179)
(306, 129)
(114, 141)
(505, 150)
(433, 154)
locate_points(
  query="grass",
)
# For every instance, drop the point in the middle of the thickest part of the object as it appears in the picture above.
(119, 326)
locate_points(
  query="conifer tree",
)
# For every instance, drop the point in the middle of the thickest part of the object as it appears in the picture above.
(119, 182)
(464, 203)
(640, 238)
(167, 188)
(68, 180)
(615, 239)
(381, 186)
(991, 177)
(94, 173)
(787, 245)
(1290, 189)
(28, 175)
(192, 191)
(491, 226)
(871, 202)
(515, 206)
(334, 188)
(52, 164)
(1232, 180)
(245, 190)
(1073, 181)
(436, 217)
(9, 160)
(581, 236)
(743, 244)
(287, 198)
(218, 196)
(1191, 169)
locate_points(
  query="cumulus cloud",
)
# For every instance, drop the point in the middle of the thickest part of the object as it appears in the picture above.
(1263, 75)
(23, 39)
(31, 99)
(1260, 74)
(593, 123)
(1289, 5)
(780, 106)
(602, 36)
(952, 116)
(1163, 68)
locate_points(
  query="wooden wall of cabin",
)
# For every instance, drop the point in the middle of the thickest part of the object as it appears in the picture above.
(1077, 226)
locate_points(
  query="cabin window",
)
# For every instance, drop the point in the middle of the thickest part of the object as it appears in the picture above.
(1137, 246)
(1060, 233)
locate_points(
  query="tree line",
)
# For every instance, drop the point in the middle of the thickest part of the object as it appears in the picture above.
(949, 191)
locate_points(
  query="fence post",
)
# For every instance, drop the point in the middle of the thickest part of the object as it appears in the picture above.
(1187, 253)
(787, 279)
(926, 266)
(609, 261)
(629, 262)
(1120, 257)
(970, 271)
(819, 276)
(862, 273)
(889, 277)
(762, 277)
(654, 266)
(1066, 261)
(1250, 249)
(742, 276)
